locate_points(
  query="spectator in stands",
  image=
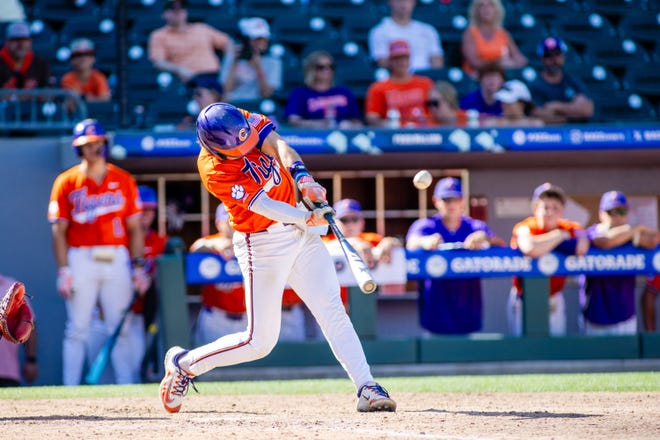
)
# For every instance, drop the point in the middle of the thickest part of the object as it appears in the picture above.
(20, 67)
(11, 370)
(559, 96)
(205, 90)
(254, 74)
(543, 232)
(320, 103)
(450, 306)
(517, 106)
(485, 41)
(84, 79)
(223, 304)
(11, 10)
(443, 105)
(425, 46)
(649, 296)
(403, 92)
(609, 301)
(483, 100)
(187, 49)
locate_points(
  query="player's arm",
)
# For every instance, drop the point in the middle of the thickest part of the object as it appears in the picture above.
(60, 245)
(538, 245)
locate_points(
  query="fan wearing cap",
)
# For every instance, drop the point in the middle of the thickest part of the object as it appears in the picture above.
(402, 91)
(450, 306)
(20, 67)
(559, 97)
(543, 232)
(517, 106)
(423, 38)
(90, 83)
(608, 302)
(254, 74)
(186, 49)
(223, 304)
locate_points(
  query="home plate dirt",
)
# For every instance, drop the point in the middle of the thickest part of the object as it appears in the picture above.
(332, 416)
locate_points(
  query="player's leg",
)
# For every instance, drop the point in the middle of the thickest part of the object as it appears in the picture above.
(79, 310)
(115, 297)
(647, 301)
(315, 281)
(557, 316)
(514, 313)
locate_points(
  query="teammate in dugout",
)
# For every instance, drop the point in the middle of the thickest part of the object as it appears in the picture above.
(254, 172)
(98, 244)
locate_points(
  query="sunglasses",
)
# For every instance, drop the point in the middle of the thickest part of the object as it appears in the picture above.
(433, 103)
(324, 67)
(450, 199)
(349, 219)
(617, 211)
(553, 54)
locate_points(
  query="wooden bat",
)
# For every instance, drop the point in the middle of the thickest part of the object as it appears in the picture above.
(358, 267)
(101, 360)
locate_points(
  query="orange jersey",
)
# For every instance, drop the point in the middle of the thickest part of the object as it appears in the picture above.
(96, 213)
(408, 97)
(154, 245)
(96, 84)
(556, 283)
(490, 50)
(237, 183)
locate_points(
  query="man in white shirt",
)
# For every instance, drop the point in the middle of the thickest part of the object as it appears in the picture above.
(424, 41)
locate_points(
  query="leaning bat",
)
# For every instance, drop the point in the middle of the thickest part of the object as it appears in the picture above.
(355, 263)
(103, 356)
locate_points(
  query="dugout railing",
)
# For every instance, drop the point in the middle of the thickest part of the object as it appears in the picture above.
(177, 270)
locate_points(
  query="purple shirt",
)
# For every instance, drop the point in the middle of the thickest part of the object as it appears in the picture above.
(474, 100)
(608, 299)
(311, 104)
(449, 306)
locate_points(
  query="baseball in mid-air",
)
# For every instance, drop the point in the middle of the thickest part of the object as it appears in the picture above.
(422, 179)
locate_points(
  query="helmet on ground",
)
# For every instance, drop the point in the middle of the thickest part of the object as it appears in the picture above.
(148, 196)
(223, 131)
(88, 130)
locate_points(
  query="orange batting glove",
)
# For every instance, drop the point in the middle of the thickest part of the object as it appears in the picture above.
(316, 217)
(311, 191)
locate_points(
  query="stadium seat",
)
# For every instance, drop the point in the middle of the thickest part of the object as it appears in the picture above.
(524, 26)
(168, 108)
(548, 9)
(643, 26)
(298, 30)
(337, 10)
(613, 7)
(615, 53)
(106, 112)
(598, 79)
(461, 82)
(623, 107)
(270, 9)
(203, 10)
(63, 10)
(644, 80)
(356, 27)
(357, 76)
(583, 28)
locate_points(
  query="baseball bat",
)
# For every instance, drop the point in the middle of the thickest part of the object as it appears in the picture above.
(358, 267)
(101, 360)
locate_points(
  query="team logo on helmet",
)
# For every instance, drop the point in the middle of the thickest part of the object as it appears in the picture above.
(242, 134)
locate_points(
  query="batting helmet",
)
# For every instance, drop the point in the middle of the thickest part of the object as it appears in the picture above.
(148, 196)
(88, 130)
(223, 131)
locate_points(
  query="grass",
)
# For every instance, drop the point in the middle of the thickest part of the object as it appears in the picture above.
(612, 382)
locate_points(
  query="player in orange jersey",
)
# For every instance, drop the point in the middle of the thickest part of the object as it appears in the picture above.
(255, 173)
(98, 243)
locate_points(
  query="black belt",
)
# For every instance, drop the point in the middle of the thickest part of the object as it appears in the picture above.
(266, 230)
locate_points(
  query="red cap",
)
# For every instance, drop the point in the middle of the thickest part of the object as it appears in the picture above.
(399, 48)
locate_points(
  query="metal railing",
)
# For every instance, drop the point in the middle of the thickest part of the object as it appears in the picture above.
(40, 109)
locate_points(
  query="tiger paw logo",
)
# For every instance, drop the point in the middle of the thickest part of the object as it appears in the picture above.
(237, 192)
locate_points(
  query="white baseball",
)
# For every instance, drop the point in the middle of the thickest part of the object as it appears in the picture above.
(422, 179)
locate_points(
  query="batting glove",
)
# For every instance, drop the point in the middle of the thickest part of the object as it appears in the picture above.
(64, 282)
(311, 191)
(317, 216)
(141, 279)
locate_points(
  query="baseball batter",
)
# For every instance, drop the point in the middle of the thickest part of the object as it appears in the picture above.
(95, 213)
(254, 172)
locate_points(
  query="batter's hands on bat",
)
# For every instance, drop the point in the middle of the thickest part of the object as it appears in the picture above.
(311, 191)
(64, 282)
(141, 279)
(316, 217)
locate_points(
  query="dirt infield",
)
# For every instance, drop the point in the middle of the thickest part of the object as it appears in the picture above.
(332, 416)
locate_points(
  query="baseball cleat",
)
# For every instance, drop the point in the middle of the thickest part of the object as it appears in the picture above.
(174, 385)
(373, 397)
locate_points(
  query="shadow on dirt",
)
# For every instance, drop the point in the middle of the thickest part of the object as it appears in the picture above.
(516, 414)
